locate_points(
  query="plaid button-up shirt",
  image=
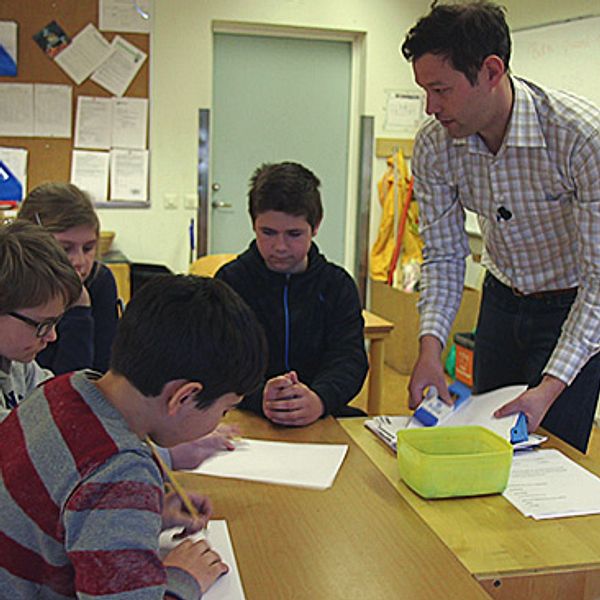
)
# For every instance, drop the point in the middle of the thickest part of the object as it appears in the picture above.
(547, 175)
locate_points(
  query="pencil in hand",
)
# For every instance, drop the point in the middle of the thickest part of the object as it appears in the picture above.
(177, 488)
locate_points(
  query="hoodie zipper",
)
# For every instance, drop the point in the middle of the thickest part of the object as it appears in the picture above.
(286, 313)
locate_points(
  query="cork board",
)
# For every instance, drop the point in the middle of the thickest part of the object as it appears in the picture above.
(50, 158)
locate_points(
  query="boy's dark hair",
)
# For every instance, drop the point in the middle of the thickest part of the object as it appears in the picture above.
(463, 33)
(286, 187)
(34, 269)
(191, 328)
(58, 207)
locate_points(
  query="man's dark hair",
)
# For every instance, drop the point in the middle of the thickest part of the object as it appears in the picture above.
(465, 34)
(191, 328)
(286, 187)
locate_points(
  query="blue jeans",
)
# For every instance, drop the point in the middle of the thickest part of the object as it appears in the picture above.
(514, 339)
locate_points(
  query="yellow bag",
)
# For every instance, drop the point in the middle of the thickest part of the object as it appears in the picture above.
(395, 190)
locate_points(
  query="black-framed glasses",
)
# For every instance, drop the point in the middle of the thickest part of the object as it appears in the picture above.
(42, 328)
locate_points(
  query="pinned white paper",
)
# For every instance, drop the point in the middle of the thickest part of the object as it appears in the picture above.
(86, 52)
(93, 122)
(119, 69)
(89, 172)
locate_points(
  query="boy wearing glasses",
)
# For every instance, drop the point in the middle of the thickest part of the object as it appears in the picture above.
(82, 494)
(37, 285)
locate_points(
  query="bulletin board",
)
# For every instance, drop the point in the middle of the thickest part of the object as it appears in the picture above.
(50, 158)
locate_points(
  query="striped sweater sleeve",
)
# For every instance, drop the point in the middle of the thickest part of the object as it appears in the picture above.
(111, 526)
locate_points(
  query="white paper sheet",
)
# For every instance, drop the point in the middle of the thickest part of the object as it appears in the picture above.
(227, 587)
(125, 15)
(16, 109)
(303, 465)
(52, 110)
(8, 38)
(89, 172)
(545, 484)
(16, 160)
(86, 52)
(129, 175)
(477, 410)
(118, 70)
(129, 124)
(404, 112)
(93, 122)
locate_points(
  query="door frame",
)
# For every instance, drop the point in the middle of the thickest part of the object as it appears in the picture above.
(357, 99)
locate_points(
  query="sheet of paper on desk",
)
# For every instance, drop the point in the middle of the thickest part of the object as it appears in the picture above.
(477, 410)
(303, 465)
(545, 484)
(229, 586)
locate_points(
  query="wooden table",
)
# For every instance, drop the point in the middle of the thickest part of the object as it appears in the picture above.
(358, 539)
(376, 329)
(512, 556)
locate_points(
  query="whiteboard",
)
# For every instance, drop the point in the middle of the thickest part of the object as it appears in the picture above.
(563, 56)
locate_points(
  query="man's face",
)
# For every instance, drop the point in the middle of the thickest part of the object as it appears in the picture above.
(18, 340)
(463, 109)
(283, 241)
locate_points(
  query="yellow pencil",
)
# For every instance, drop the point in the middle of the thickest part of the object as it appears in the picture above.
(185, 499)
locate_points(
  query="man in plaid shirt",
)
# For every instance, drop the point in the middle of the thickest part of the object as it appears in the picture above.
(527, 161)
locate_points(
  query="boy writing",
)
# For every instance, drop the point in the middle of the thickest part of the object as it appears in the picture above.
(309, 307)
(37, 285)
(83, 501)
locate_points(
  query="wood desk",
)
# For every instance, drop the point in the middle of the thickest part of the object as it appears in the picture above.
(512, 556)
(358, 539)
(376, 330)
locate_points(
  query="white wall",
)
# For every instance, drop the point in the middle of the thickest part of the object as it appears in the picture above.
(181, 83)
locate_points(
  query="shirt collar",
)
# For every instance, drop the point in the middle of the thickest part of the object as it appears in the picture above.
(524, 128)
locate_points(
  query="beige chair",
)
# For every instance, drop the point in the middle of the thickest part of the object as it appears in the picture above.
(208, 265)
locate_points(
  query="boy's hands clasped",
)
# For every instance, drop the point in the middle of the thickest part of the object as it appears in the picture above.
(287, 401)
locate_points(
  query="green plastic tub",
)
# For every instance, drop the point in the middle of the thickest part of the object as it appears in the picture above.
(445, 462)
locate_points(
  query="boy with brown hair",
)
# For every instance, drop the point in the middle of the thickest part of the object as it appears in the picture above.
(308, 306)
(37, 285)
(83, 501)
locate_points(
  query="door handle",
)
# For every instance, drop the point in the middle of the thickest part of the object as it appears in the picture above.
(216, 204)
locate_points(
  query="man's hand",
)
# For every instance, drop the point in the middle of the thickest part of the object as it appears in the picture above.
(286, 401)
(175, 515)
(427, 371)
(191, 454)
(534, 402)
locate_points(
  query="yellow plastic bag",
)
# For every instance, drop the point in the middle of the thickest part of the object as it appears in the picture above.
(399, 217)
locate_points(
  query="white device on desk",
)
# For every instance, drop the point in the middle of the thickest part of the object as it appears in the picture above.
(433, 410)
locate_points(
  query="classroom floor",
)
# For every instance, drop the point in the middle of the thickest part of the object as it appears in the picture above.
(395, 393)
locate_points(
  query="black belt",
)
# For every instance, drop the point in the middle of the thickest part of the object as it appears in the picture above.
(536, 295)
(546, 294)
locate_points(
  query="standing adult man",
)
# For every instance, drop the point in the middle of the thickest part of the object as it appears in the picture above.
(527, 161)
